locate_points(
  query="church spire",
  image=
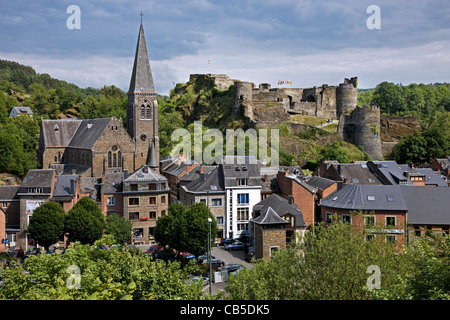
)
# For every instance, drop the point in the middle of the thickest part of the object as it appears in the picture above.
(152, 162)
(141, 78)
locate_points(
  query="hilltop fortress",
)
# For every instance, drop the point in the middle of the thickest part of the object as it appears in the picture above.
(265, 107)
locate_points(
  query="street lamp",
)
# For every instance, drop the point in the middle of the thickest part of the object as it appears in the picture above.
(209, 254)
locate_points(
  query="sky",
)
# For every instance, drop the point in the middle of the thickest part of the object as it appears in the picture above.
(307, 42)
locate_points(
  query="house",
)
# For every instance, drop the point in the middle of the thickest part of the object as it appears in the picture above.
(111, 193)
(145, 199)
(36, 188)
(18, 111)
(174, 171)
(428, 210)
(356, 172)
(243, 190)
(422, 176)
(381, 205)
(303, 194)
(269, 233)
(389, 173)
(9, 216)
(209, 188)
(287, 210)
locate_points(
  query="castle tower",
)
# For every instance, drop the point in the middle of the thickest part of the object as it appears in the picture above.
(346, 96)
(243, 99)
(142, 108)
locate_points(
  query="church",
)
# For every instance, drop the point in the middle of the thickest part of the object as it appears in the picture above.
(92, 147)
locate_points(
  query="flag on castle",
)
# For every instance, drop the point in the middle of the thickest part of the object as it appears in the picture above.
(284, 82)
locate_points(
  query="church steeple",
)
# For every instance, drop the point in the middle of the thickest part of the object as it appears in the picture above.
(141, 78)
(142, 108)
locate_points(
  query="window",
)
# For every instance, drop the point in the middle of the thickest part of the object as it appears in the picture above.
(133, 201)
(369, 221)
(370, 237)
(152, 201)
(152, 215)
(371, 198)
(163, 199)
(216, 202)
(346, 218)
(219, 220)
(390, 238)
(390, 221)
(133, 215)
(111, 201)
(142, 112)
(163, 213)
(109, 159)
(417, 231)
(290, 219)
(242, 182)
(4, 204)
(138, 233)
(119, 159)
(149, 112)
(133, 187)
(242, 226)
(152, 187)
(114, 160)
(390, 198)
(242, 198)
(329, 215)
(242, 214)
(203, 201)
(273, 250)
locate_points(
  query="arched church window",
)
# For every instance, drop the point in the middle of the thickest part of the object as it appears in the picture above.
(114, 160)
(149, 112)
(119, 159)
(142, 112)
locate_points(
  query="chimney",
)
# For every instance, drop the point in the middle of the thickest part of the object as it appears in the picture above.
(201, 169)
(290, 199)
(265, 178)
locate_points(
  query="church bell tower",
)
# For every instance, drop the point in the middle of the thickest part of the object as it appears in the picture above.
(142, 109)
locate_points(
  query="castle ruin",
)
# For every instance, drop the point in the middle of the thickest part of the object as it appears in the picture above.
(265, 107)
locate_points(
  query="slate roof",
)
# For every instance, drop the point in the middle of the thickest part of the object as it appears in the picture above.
(391, 171)
(320, 183)
(88, 133)
(145, 174)
(8, 193)
(366, 197)
(282, 207)
(63, 186)
(357, 173)
(431, 178)
(141, 77)
(427, 205)
(194, 174)
(240, 168)
(38, 178)
(302, 182)
(112, 182)
(269, 216)
(58, 133)
(208, 182)
(21, 110)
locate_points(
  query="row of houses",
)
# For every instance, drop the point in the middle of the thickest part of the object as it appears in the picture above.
(270, 205)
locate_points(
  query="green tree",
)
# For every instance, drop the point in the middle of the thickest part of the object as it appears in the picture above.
(119, 227)
(186, 229)
(47, 224)
(329, 263)
(84, 222)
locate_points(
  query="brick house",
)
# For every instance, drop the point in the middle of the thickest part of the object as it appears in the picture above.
(269, 233)
(381, 206)
(209, 188)
(145, 199)
(10, 216)
(303, 194)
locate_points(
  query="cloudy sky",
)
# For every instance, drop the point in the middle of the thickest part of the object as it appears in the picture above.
(309, 42)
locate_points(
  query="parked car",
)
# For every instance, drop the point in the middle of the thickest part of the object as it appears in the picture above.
(153, 249)
(235, 246)
(204, 257)
(197, 279)
(228, 241)
(232, 268)
(215, 263)
(18, 253)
